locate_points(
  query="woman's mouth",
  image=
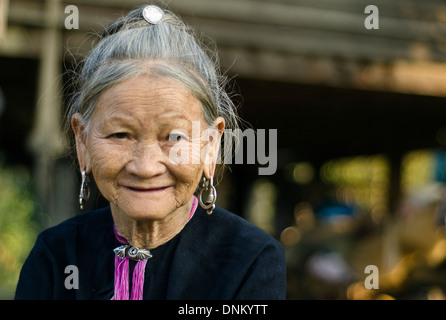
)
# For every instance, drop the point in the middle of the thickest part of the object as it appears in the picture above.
(146, 189)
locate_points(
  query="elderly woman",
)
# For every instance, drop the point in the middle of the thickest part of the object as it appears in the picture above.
(144, 91)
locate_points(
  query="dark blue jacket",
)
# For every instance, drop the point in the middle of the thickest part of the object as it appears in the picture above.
(218, 256)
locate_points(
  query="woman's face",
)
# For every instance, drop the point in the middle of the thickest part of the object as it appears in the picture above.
(133, 141)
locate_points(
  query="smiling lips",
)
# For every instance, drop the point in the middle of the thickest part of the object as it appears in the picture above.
(143, 189)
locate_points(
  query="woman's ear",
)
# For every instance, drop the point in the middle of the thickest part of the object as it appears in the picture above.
(78, 126)
(214, 133)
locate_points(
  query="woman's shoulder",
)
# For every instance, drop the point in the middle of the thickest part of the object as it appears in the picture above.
(233, 258)
(225, 227)
(79, 226)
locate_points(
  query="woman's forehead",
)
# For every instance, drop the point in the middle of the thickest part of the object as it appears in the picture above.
(142, 95)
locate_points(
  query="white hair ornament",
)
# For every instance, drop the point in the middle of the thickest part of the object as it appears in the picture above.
(153, 14)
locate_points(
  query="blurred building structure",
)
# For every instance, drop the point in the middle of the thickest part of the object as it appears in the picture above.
(332, 88)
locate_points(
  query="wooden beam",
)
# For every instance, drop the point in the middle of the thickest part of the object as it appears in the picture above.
(340, 20)
(4, 4)
(53, 176)
(46, 138)
(403, 76)
(21, 42)
(299, 41)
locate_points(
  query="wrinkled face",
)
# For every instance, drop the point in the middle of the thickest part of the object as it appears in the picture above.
(144, 146)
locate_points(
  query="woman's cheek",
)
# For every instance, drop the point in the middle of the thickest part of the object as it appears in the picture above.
(184, 153)
(188, 171)
(106, 161)
(195, 152)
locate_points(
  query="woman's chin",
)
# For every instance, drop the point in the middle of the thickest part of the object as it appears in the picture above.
(145, 210)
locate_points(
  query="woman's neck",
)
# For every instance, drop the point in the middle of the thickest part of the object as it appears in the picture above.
(150, 234)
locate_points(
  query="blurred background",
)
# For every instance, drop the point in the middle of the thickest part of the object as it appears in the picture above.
(360, 116)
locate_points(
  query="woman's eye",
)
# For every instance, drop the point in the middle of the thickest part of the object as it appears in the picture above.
(175, 137)
(119, 135)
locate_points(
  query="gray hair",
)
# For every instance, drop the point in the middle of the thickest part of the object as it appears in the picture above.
(174, 52)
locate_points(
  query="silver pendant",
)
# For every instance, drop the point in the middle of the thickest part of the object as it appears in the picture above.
(121, 251)
(133, 253)
(138, 254)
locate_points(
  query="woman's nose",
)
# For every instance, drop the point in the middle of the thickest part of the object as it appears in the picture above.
(147, 160)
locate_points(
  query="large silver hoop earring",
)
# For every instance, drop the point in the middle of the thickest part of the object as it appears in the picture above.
(84, 194)
(208, 187)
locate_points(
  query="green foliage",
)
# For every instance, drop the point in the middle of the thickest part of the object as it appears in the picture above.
(18, 229)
